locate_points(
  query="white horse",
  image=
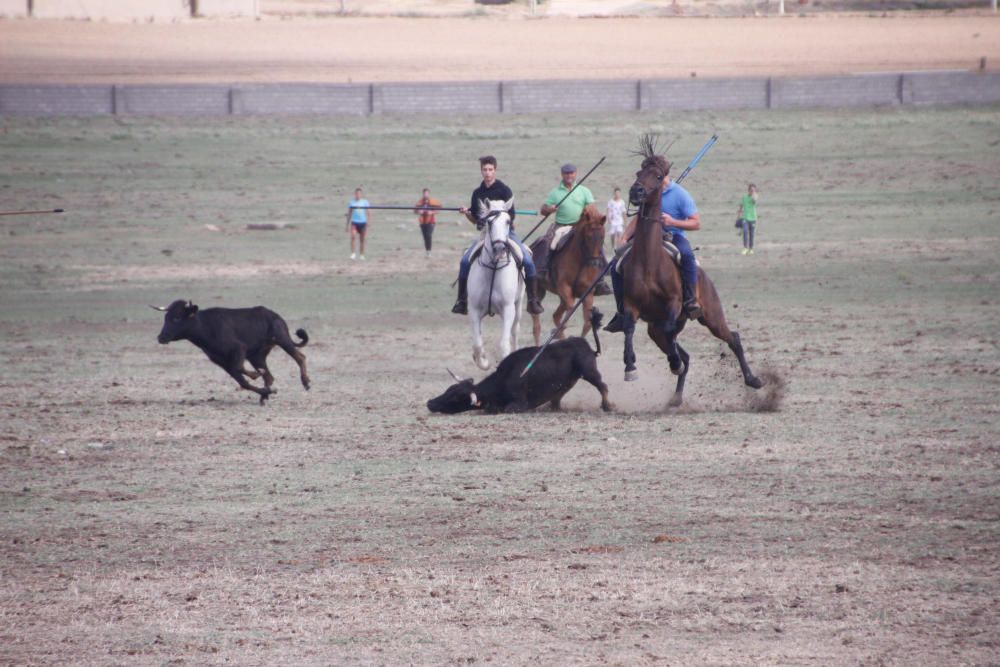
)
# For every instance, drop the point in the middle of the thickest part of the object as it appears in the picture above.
(495, 283)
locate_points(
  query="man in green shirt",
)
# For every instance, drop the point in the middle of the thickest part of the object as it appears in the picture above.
(568, 213)
(748, 218)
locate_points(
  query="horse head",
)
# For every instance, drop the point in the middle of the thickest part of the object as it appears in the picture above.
(649, 179)
(495, 215)
(590, 229)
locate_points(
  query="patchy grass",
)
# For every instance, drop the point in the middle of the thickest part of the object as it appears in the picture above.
(151, 513)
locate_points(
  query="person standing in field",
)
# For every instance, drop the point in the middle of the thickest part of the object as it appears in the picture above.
(616, 218)
(493, 189)
(357, 221)
(747, 213)
(425, 211)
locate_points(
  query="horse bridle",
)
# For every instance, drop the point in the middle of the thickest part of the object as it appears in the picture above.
(487, 221)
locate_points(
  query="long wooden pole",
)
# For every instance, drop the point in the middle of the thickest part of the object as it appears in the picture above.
(51, 210)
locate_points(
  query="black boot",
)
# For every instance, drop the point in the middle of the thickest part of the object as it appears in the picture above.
(691, 307)
(461, 306)
(534, 305)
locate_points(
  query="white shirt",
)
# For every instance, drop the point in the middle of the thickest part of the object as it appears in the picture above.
(616, 215)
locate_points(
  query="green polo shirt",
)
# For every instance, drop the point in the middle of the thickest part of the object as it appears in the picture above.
(569, 211)
(749, 208)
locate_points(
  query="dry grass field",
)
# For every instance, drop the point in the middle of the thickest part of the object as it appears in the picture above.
(150, 514)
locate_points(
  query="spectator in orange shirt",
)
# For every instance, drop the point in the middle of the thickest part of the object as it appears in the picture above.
(425, 211)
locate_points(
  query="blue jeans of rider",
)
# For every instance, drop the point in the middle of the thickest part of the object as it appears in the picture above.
(689, 270)
(529, 265)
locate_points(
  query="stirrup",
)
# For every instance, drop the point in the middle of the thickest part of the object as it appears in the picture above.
(602, 288)
(535, 307)
(460, 308)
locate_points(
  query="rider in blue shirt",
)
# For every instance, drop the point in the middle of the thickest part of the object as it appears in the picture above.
(678, 214)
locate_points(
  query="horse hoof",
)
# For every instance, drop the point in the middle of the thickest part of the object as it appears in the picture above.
(755, 382)
(675, 401)
(631, 376)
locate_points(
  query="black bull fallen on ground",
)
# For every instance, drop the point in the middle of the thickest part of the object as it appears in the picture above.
(233, 336)
(555, 372)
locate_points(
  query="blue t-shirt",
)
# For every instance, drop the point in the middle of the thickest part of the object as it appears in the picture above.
(677, 203)
(359, 216)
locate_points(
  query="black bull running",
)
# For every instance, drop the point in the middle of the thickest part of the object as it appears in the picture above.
(233, 336)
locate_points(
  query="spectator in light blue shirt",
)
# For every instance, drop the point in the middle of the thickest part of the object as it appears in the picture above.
(358, 211)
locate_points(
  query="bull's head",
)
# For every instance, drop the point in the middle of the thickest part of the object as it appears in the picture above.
(176, 320)
(459, 397)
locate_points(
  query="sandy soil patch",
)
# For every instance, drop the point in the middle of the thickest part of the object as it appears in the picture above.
(360, 49)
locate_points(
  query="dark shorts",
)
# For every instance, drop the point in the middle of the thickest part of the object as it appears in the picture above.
(359, 227)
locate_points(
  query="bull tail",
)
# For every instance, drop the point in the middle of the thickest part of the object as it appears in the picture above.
(301, 333)
(596, 317)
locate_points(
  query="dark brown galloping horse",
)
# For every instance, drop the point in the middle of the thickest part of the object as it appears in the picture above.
(652, 283)
(574, 269)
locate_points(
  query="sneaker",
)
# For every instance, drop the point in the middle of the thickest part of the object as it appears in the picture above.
(745, 251)
(751, 251)
(362, 258)
(354, 255)
(615, 325)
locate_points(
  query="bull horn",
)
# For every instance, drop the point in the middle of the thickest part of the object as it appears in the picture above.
(457, 379)
(159, 308)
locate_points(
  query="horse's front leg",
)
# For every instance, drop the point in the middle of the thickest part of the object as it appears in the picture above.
(478, 351)
(588, 310)
(631, 374)
(508, 330)
(565, 304)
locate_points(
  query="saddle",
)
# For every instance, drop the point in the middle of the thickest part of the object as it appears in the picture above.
(668, 245)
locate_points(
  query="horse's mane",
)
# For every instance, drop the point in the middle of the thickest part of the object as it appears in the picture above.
(647, 145)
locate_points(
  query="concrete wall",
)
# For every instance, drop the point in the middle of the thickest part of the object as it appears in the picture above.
(14, 9)
(704, 94)
(128, 10)
(111, 10)
(225, 8)
(923, 89)
(302, 98)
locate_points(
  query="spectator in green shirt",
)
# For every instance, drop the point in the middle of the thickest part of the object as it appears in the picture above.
(748, 218)
(568, 213)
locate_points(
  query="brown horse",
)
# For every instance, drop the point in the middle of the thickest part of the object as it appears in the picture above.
(574, 269)
(652, 283)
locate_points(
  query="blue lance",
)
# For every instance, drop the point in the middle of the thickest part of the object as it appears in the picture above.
(604, 271)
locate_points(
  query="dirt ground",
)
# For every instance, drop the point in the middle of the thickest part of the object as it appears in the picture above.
(151, 514)
(362, 49)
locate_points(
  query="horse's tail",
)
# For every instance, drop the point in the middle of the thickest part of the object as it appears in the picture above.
(596, 317)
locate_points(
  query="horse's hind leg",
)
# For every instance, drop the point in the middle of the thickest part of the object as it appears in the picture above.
(665, 337)
(715, 320)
